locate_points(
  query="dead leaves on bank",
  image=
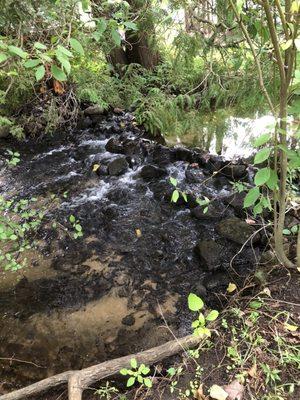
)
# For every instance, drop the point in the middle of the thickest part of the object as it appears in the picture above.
(233, 391)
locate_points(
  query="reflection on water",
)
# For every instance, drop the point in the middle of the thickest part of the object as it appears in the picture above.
(222, 133)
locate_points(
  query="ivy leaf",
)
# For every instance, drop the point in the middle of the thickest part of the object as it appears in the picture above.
(76, 46)
(262, 176)
(32, 63)
(194, 302)
(212, 316)
(116, 37)
(263, 139)
(17, 51)
(131, 25)
(40, 73)
(57, 73)
(251, 197)
(262, 155)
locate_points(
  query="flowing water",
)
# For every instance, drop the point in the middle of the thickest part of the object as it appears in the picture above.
(80, 302)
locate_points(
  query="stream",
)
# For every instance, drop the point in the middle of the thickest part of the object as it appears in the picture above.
(112, 292)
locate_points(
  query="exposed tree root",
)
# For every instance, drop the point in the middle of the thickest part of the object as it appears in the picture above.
(80, 380)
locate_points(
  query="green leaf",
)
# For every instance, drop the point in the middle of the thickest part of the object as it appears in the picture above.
(131, 381)
(262, 155)
(72, 219)
(272, 183)
(116, 37)
(32, 63)
(3, 57)
(40, 46)
(195, 324)
(17, 51)
(251, 197)
(78, 228)
(101, 26)
(57, 73)
(148, 382)
(85, 5)
(263, 139)
(64, 51)
(40, 73)
(76, 46)
(65, 63)
(173, 181)
(239, 5)
(262, 176)
(13, 237)
(145, 370)
(212, 316)
(133, 363)
(194, 302)
(175, 196)
(123, 371)
(286, 232)
(131, 25)
(255, 305)
(184, 196)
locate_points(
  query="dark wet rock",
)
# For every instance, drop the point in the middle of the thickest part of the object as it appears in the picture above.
(117, 166)
(102, 170)
(236, 201)
(183, 154)
(162, 155)
(94, 110)
(237, 231)
(161, 190)
(111, 212)
(129, 320)
(216, 281)
(132, 147)
(200, 290)
(114, 146)
(195, 175)
(219, 182)
(211, 254)
(235, 171)
(149, 172)
(4, 131)
(215, 211)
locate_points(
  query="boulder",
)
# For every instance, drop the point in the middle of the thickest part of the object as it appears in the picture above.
(94, 110)
(236, 201)
(211, 254)
(194, 175)
(235, 171)
(183, 154)
(118, 166)
(149, 172)
(114, 146)
(215, 211)
(237, 230)
(162, 155)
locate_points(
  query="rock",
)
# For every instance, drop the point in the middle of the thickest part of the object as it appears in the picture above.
(94, 110)
(162, 155)
(200, 290)
(118, 166)
(129, 320)
(235, 171)
(236, 201)
(4, 131)
(217, 280)
(102, 170)
(149, 172)
(211, 254)
(183, 154)
(194, 175)
(237, 231)
(215, 211)
(114, 146)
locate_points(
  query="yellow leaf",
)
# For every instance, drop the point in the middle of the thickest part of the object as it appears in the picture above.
(287, 44)
(295, 6)
(138, 233)
(96, 167)
(231, 287)
(218, 393)
(291, 328)
(253, 371)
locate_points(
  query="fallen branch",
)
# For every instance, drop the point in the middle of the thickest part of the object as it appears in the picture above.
(80, 380)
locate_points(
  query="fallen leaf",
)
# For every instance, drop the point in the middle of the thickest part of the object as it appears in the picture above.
(267, 291)
(58, 87)
(235, 390)
(253, 371)
(138, 233)
(218, 393)
(194, 165)
(291, 328)
(199, 394)
(231, 287)
(96, 167)
(298, 269)
(250, 221)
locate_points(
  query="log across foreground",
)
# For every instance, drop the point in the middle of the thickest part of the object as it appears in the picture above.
(80, 380)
